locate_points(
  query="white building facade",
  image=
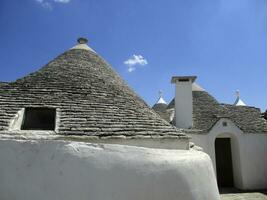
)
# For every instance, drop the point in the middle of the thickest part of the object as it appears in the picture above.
(248, 154)
(234, 136)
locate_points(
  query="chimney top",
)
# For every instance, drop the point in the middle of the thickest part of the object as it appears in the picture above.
(82, 40)
(176, 79)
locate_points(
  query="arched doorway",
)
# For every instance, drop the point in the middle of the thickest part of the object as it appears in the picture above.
(224, 162)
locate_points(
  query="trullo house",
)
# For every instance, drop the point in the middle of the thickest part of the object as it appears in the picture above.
(75, 130)
(234, 136)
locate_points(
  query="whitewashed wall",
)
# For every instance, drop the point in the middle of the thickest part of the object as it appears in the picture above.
(248, 153)
(183, 104)
(254, 159)
(59, 170)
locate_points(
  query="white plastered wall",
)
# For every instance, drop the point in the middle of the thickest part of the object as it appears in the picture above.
(248, 153)
(65, 170)
(183, 104)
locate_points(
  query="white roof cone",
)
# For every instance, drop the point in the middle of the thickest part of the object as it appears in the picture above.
(161, 100)
(196, 87)
(82, 44)
(238, 101)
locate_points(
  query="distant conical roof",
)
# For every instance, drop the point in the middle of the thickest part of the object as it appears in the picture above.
(238, 101)
(160, 105)
(265, 114)
(161, 100)
(90, 97)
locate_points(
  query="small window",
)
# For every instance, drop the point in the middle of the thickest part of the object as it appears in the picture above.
(39, 119)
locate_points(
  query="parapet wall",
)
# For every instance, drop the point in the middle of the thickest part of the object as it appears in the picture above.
(76, 170)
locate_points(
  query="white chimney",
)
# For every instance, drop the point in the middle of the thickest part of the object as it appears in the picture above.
(183, 101)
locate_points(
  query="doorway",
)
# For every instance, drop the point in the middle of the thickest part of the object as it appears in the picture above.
(224, 164)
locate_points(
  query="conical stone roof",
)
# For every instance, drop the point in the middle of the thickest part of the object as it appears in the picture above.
(90, 98)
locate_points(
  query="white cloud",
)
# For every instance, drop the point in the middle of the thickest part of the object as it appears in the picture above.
(62, 1)
(131, 69)
(45, 4)
(134, 61)
(48, 4)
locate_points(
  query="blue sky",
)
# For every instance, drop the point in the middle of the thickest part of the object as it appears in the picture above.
(223, 42)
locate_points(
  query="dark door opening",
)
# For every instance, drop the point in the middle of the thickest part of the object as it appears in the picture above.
(224, 164)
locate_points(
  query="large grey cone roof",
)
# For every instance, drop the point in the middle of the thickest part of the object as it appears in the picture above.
(90, 97)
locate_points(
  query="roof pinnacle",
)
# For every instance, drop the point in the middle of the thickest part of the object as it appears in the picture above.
(237, 93)
(161, 100)
(82, 40)
(82, 44)
(238, 101)
(160, 93)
